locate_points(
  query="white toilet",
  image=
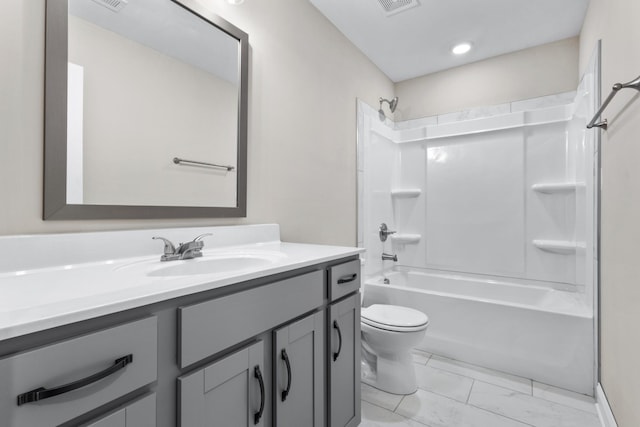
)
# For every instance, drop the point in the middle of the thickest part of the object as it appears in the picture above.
(389, 332)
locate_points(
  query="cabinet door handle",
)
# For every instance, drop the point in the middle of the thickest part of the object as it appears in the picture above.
(284, 356)
(258, 375)
(337, 328)
(348, 278)
(43, 393)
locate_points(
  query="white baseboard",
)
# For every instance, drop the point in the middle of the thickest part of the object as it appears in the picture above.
(604, 410)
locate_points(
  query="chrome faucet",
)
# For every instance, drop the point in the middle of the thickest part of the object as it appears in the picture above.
(389, 257)
(189, 250)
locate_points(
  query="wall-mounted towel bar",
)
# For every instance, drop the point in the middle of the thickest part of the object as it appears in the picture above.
(179, 161)
(635, 84)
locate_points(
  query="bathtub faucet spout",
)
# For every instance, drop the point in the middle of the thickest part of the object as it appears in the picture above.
(389, 257)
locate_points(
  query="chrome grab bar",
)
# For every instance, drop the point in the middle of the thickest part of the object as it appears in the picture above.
(179, 161)
(634, 84)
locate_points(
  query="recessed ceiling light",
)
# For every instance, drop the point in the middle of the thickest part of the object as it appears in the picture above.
(461, 49)
(235, 2)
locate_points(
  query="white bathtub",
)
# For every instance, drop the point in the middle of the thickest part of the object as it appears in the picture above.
(534, 332)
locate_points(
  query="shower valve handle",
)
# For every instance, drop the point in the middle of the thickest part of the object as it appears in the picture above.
(384, 232)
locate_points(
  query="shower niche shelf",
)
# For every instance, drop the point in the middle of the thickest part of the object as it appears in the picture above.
(405, 193)
(405, 238)
(559, 246)
(557, 187)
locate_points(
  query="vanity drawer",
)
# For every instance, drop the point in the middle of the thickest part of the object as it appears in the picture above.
(344, 279)
(95, 369)
(141, 413)
(210, 327)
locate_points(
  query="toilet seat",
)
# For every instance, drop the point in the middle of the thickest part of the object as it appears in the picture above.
(394, 318)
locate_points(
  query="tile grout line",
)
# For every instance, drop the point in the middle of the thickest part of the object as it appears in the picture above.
(553, 402)
(393, 412)
(557, 402)
(489, 373)
(500, 415)
(442, 395)
(465, 404)
(405, 417)
(414, 421)
(470, 390)
(377, 405)
(398, 405)
(448, 373)
(429, 359)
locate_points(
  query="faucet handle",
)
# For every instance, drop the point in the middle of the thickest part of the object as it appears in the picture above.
(384, 232)
(169, 248)
(197, 244)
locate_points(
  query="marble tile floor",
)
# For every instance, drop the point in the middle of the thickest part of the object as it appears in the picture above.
(456, 394)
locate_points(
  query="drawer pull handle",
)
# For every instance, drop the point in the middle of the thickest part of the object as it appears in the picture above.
(258, 375)
(43, 393)
(287, 363)
(337, 328)
(348, 278)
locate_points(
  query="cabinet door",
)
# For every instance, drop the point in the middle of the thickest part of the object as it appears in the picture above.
(227, 393)
(299, 373)
(344, 362)
(141, 413)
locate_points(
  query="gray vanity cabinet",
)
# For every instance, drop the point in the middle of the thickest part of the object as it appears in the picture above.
(344, 362)
(343, 345)
(299, 373)
(229, 392)
(276, 351)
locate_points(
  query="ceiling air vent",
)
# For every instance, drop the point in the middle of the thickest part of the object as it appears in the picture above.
(391, 7)
(114, 5)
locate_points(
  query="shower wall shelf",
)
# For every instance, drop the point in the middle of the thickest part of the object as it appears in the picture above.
(559, 246)
(406, 238)
(557, 187)
(405, 193)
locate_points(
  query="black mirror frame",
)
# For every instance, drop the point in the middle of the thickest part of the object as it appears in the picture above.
(55, 205)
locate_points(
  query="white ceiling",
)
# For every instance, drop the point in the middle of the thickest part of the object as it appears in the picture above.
(418, 41)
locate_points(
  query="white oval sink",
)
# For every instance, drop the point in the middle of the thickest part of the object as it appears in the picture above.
(210, 265)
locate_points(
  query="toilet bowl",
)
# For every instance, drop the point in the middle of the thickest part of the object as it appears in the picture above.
(389, 332)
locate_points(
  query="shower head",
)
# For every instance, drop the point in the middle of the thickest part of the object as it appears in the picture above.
(392, 106)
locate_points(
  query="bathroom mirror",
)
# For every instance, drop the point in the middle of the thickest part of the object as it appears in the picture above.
(145, 111)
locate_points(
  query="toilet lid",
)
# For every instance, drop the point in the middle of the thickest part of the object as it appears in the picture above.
(393, 317)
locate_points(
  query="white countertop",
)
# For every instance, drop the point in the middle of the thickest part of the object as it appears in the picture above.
(40, 298)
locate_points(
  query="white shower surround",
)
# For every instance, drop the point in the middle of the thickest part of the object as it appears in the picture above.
(495, 216)
(503, 195)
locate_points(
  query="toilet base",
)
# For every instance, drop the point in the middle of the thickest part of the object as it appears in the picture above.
(395, 374)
